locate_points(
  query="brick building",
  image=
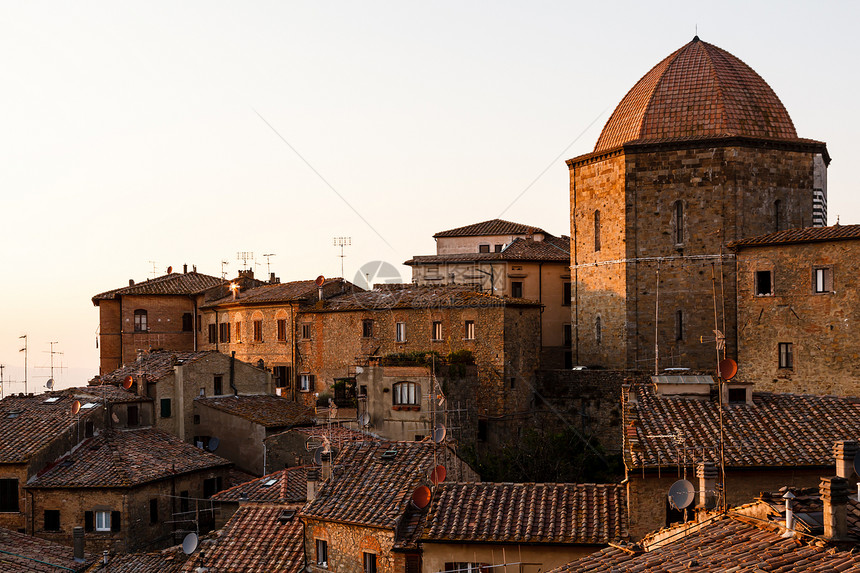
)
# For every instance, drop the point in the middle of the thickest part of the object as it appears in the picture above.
(508, 259)
(797, 307)
(20, 553)
(287, 487)
(699, 153)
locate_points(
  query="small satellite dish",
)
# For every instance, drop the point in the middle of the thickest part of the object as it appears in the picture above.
(421, 496)
(437, 475)
(115, 418)
(364, 419)
(213, 444)
(728, 369)
(319, 281)
(189, 544)
(50, 383)
(681, 494)
(439, 433)
(129, 380)
(169, 270)
(76, 407)
(318, 453)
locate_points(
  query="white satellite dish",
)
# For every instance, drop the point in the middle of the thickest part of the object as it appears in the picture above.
(189, 544)
(439, 433)
(50, 383)
(681, 494)
(213, 444)
(359, 370)
(364, 419)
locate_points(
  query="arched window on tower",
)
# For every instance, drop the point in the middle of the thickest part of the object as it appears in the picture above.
(596, 231)
(679, 222)
(777, 205)
(598, 331)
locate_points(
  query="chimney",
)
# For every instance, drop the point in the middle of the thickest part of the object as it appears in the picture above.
(185, 268)
(78, 536)
(844, 452)
(707, 474)
(320, 293)
(834, 493)
(789, 512)
(130, 282)
(193, 268)
(326, 465)
(313, 483)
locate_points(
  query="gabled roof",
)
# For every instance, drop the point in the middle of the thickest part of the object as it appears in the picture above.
(125, 458)
(153, 366)
(526, 513)
(169, 284)
(491, 227)
(20, 553)
(168, 560)
(268, 411)
(776, 430)
(808, 510)
(802, 235)
(295, 291)
(289, 485)
(520, 249)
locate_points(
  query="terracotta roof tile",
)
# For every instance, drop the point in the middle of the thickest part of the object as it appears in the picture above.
(20, 553)
(527, 513)
(153, 365)
(550, 249)
(803, 235)
(390, 296)
(125, 458)
(808, 507)
(290, 485)
(170, 284)
(268, 411)
(295, 291)
(491, 227)
(776, 430)
(169, 560)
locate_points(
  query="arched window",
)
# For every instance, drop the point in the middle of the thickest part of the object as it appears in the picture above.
(596, 231)
(140, 321)
(776, 208)
(679, 222)
(407, 394)
(598, 331)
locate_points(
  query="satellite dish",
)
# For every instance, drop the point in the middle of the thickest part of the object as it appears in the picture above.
(169, 270)
(50, 383)
(129, 380)
(76, 407)
(438, 474)
(189, 544)
(115, 418)
(319, 281)
(314, 442)
(364, 419)
(359, 370)
(681, 494)
(318, 453)
(439, 433)
(421, 496)
(728, 369)
(213, 444)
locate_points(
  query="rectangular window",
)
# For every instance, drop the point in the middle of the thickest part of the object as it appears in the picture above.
(165, 407)
(218, 385)
(224, 332)
(281, 376)
(306, 331)
(133, 415)
(140, 321)
(679, 325)
(406, 394)
(322, 552)
(470, 330)
(499, 248)
(763, 283)
(400, 332)
(566, 295)
(513, 382)
(482, 430)
(483, 248)
(436, 333)
(8, 495)
(306, 382)
(238, 332)
(282, 330)
(517, 289)
(822, 280)
(211, 486)
(567, 335)
(52, 520)
(367, 328)
(369, 562)
(258, 331)
(187, 322)
(103, 520)
(153, 511)
(213, 333)
(786, 358)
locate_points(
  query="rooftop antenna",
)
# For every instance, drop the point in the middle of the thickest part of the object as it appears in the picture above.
(52, 343)
(223, 271)
(268, 262)
(245, 256)
(2, 366)
(342, 242)
(24, 350)
(154, 265)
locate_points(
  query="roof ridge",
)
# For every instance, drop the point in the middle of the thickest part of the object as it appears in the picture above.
(721, 100)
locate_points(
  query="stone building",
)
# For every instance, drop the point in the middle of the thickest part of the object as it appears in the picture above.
(798, 305)
(287, 487)
(508, 259)
(699, 153)
(297, 446)
(20, 553)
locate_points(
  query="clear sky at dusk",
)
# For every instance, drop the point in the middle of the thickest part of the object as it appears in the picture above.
(138, 132)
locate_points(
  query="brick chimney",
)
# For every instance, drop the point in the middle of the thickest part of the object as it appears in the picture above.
(313, 483)
(707, 474)
(834, 492)
(78, 536)
(844, 452)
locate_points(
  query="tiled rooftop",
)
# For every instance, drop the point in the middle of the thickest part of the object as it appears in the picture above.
(391, 296)
(732, 543)
(776, 430)
(290, 485)
(550, 249)
(125, 458)
(698, 91)
(808, 510)
(268, 411)
(803, 235)
(491, 227)
(102, 392)
(153, 365)
(21, 553)
(170, 284)
(527, 513)
(169, 560)
(295, 291)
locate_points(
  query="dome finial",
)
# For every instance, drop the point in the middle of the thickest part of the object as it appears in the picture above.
(695, 38)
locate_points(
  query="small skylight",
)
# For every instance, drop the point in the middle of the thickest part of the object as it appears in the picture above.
(270, 482)
(13, 414)
(52, 400)
(286, 515)
(89, 405)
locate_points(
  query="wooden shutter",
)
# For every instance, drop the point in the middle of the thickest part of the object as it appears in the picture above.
(115, 523)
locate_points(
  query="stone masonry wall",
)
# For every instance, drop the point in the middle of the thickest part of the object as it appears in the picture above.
(347, 545)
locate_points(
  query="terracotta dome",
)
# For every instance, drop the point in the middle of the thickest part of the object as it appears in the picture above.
(699, 91)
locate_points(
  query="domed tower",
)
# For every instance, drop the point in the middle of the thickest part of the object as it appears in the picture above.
(699, 153)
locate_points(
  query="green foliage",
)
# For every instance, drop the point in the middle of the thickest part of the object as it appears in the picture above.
(322, 399)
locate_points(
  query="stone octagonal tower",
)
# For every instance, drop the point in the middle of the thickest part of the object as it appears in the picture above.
(699, 153)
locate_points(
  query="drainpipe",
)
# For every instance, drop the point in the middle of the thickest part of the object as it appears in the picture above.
(233, 373)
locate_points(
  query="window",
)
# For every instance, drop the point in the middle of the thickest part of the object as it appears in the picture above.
(103, 521)
(482, 430)
(516, 289)
(596, 231)
(213, 333)
(322, 552)
(367, 328)
(306, 382)
(566, 294)
(211, 486)
(140, 321)
(89, 429)
(598, 331)
(52, 520)
(282, 330)
(499, 248)
(407, 394)
(776, 211)
(224, 332)
(679, 325)
(153, 510)
(400, 332)
(763, 283)
(8, 495)
(306, 331)
(470, 330)
(679, 222)
(786, 359)
(133, 415)
(165, 407)
(196, 420)
(238, 331)
(483, 248)
(822, 279)
(258, 331)
(187, 322)
(513, 382)
(281, 375)
(369, 562)
(737, 395)
(218, 385)
(436, 333)
(567, 334)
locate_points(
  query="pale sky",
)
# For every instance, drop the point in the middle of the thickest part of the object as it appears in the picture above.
(133, 131)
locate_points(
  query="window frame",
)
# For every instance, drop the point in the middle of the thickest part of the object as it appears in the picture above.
(213, 333)
(367, 328)
(469, 330)
(406, 393)
(321, 550)
(368, 564)
(224, 333)
(54, 515)
(258, 330)
(400, 332)
(306, 382)
(218, 385)
(436, 333)
(678, 216)
(187, 322)
(757, 282)
(307, 331)
(566, 293)
(517, 289)
(141, 320)
(484, 248)
(102, 520)
(165, 406)
(282, 329)
(679, 325)
(785, 355)
(597, 230)
(822, 280)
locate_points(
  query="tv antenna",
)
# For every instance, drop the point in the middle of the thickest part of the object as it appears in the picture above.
(223, 271)
(245, 256)
(269, 262)
(2, 366)
(342, 242)
(154, 268)
(24, 350)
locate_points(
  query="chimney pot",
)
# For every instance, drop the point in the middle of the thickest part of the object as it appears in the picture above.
(844, 452)
(130, 282)
(834, 492)
(313, 483)
(707, 474)
(185, 268)
(78, 536)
